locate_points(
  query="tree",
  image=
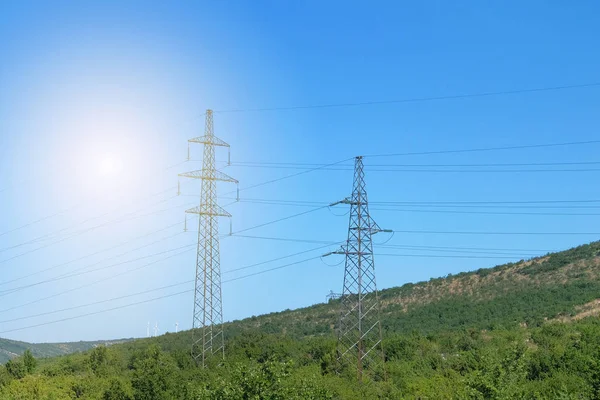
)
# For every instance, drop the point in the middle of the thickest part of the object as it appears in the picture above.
(5, 377)
(16, 368)
(116, 391)
(152, 375)
(29, 361)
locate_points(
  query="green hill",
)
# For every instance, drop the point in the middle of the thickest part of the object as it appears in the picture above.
(523, 330)
(528, 292)
(11, 348)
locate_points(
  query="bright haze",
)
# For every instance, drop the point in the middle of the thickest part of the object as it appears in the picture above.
(98, 100)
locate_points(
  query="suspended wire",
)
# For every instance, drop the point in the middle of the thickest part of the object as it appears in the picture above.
(124, 218)
(285, 239)
(389, 207)
(383, 243)
(259, 164)
(485, 149)
(276, 259)
(289, 176)
(331, 211)
(153, 299)
(486, 212)
(79, 233)
(95, 303)
(47, 217)
(427, 167)
(155, 289)
(424, 169)
(92, 283)
(93, 254)
(64, 277)
(84, 272)
(448, 248)
(495, 233)
(413, 100)
(441, 256)
(81, 222)
(334, 264)
(421, 203)
(458, 248)
(279, 220)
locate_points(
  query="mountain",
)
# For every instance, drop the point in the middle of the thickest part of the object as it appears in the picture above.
(558, 285)
(11, 348)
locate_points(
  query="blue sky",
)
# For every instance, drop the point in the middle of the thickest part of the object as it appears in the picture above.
(97, 99)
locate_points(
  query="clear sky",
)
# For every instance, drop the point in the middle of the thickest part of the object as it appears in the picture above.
(97, 99)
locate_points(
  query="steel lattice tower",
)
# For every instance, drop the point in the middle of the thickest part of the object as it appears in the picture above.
(360, 334)
(207, 330)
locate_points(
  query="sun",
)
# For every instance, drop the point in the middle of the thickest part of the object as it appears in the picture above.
(109, 165)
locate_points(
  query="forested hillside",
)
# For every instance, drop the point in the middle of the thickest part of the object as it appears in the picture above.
(12, 348)
(526, 330)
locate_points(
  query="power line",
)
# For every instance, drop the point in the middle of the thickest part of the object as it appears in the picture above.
(442, 256)
(445, 170)
(280, 219)
(124, 218)
(95, 303)
(153, 299)
(247, 229)
(484, 149)
(81, 271)
(41, 219)
(259, 164)
(415, 99)
(159, 288)
(495, 233)
(390, 208)
(487, 212)
(95, 253)
(77, 234)
(443, 248)
(93, 283)
(289, 176)
(467, 204)
(459, 249)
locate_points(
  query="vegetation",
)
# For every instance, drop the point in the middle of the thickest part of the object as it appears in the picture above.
(526, 330)
(12, 348)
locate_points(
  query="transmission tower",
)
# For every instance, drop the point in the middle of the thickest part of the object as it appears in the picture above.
(332, 296)
(207, 330)
(359, 335)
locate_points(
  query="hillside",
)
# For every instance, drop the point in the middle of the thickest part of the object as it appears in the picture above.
(11, 348)
(524, 330)
(527, 292)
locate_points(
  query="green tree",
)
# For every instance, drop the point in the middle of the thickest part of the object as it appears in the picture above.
(152, 375)
(29, 361)
(16, 368)
(5, 377)
(116, 391)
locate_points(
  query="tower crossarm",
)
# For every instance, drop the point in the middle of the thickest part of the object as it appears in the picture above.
(213, 176)
(210, 140)
(216, 211)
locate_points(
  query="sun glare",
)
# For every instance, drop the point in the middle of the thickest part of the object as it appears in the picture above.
(109, 165)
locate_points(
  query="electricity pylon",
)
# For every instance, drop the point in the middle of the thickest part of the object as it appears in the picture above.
(359, 334)
(208, 307)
